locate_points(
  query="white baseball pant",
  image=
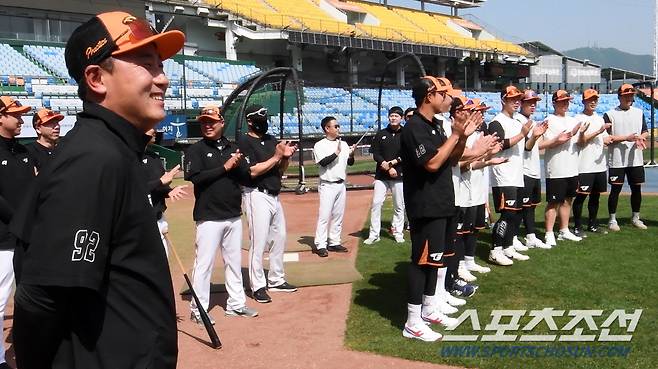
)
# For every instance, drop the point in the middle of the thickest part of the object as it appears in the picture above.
(267, 227)
(381, 187)
(6, 285)
(163, 226)
(332, 209)
(226, 234)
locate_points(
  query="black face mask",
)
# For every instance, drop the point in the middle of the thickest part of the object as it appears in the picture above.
(259, 125)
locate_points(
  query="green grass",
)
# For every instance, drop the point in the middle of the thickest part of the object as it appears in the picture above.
(607, 272)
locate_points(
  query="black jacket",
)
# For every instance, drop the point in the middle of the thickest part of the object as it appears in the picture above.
(386, 146)
(16, 175)
(154, 169)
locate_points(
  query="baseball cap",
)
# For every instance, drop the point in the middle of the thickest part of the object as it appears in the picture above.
(44, 116)
(510, 92)
(590, 93)
(396, 110)
(210, 113)
(531, 95)
(461, 103)
(479, 105)
(626, 89)
(114, 33)
(255, 110)
(561, 95)
(9, 105)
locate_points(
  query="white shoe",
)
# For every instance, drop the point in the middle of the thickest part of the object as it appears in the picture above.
(536, 243)
(399, 238)
(518, 245)
(421, 332)
(371, 240)
(454, 301)
(434, 316)
(441, 305)
(464, 274)
(511, 253)
(613, 226)
(568, 236)
(472, 267)
(550, 240)
(637, 223)
(497, 256)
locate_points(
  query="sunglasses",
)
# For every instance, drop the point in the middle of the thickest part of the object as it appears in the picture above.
(138, 29)
(4, 107)
(627, 90)
(260, 112)
(336, 126)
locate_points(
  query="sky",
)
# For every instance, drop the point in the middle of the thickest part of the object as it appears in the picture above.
(565, 24)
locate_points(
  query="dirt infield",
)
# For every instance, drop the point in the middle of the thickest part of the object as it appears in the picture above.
(299, 330)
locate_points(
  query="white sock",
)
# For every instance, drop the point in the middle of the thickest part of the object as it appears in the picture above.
(564, 230)
(440, 281)
(551, 234)
(636, 216)
(413, 315)
(462, 264)
(530, 237)
(613, 218)
(469, 260)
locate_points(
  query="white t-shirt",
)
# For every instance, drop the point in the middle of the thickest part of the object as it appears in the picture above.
(509, 174)
(456, 174)
(531, 162)
(592, 157)
(561, 161)
(336, 170)
(473, 181)
(624, 123)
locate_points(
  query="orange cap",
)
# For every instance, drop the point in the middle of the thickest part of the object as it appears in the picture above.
(590, 93)
(561, 95)
(531, 95)
(9, 105)
(442, 84)
(114, 33)
(44, 116)
(210, 114)
(626, 89)
(510, 92)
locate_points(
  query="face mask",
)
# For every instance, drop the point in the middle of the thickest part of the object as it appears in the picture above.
(259, 125)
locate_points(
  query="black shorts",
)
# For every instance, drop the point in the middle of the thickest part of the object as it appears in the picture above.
(559, 189)
(531, 194)
(480, 217)
(466, 220)
(634, 175)
(592, 183)
(507, 198)
(432, 239)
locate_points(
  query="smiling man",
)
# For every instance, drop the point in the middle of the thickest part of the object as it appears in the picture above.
(95, 288)
(46, 125)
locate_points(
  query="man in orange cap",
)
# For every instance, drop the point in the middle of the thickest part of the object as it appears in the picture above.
(592, 163)
(46, 125)
(628, 134)
(561, 164)
(215, 166)
(95, 288)
(16, 174)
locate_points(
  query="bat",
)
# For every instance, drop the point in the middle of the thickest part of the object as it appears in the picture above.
(214, 339)
(362, 137)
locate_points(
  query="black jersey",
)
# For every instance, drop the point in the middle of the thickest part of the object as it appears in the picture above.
(257, 150)
(16, 176)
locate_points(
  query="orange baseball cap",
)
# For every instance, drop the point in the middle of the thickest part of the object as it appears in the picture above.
(442, 84)
(210, 114)
(44, 116)
(561, 95)
(590, 93)
(531, 95)
(626, 89)
(9, 105)
(510, 92)
(114, 33)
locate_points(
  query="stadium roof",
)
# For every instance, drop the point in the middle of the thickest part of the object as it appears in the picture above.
(461, 4)
(617, 74)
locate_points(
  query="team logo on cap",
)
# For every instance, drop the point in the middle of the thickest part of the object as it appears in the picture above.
(128, 19)
(93, 50)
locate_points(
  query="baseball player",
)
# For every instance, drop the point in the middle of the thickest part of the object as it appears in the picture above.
(158, 183)
(333, 156)
(388, 177)
(46, 125)
(628, 138)
(507, 178)
(215, 166)
(561, 166)
(95, 288)
(16, 174)
(427, 157)
(531, 194)
(267, 161)
(592, 165)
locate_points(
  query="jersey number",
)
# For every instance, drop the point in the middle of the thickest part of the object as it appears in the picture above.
(84, 246)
